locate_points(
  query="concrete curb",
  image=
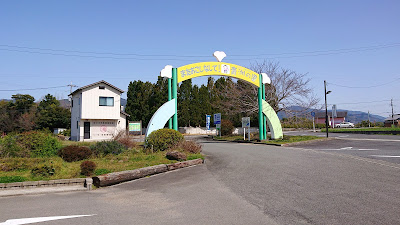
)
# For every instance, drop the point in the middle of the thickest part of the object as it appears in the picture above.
(44, 183)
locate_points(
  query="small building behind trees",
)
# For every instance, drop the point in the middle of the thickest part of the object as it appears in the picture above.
(392, 120)
(320, 117)
(96, 112)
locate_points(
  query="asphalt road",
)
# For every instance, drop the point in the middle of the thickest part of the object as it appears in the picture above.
(381, 147)
(238, 184)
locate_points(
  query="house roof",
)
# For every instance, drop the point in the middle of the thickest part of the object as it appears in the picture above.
(321, 114)
(99, 82)
(395, 117)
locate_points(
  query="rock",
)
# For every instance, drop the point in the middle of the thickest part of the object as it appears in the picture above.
(175, 155)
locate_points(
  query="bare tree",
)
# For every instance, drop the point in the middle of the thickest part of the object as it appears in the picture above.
(287, 89)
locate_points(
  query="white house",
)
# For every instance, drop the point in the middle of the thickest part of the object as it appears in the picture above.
(96, 112)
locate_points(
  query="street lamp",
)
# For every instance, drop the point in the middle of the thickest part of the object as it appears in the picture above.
(326, 109)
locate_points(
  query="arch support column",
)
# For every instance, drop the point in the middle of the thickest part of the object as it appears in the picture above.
(175, 97)
(260, 114)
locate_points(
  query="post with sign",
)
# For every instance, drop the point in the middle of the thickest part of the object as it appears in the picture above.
(135, 127)
(313, 120)
(334, 114)
(217, 122)
(246, 124)
(208, 121)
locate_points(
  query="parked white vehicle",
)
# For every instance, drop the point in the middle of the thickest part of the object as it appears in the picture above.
(345, 125)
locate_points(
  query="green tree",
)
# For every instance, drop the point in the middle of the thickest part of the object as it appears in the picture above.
(139, 104)
(21, 103)
(50, 115)
(184, 101)
(18, 114)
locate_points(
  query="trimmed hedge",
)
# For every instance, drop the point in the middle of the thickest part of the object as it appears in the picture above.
(75, 153)
(163, 139)
(108, 147)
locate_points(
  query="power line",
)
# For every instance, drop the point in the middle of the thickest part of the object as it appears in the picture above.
(32, 89)
(379, 85)
(277, 55)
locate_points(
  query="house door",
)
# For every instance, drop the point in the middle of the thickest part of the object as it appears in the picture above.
(86, 130)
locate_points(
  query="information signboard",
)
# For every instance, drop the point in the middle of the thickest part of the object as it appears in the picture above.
(217, 118)
(135, 126)
(334, 113)
(208, 121)
(245, 122)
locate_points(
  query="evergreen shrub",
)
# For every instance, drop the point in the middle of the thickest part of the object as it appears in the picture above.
(107, 147)
(73, 153)
(29, 144)
(43, 171)
(163, 139)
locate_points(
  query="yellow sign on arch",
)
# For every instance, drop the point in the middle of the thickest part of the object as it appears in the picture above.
(217, 69)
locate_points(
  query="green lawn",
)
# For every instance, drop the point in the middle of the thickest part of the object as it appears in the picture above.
(14, 169)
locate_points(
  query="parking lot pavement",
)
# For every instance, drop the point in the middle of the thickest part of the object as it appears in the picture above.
(362, 146)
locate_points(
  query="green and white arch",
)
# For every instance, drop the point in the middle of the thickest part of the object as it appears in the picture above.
(169, 112)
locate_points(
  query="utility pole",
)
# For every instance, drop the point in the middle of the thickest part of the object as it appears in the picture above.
(391, 104)
(70, 91)
(326, 110)
(369, 123)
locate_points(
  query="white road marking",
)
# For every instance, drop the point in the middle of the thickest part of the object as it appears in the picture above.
(343, 136)
(39, 219)
(386, 156)
(359, 139)
(350, 149)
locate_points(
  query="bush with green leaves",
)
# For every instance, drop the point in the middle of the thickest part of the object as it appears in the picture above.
(10, 147)
(87, 168)
(108, 147)
(163, 139)
(73, 153)
(43, 171)
(29, 144)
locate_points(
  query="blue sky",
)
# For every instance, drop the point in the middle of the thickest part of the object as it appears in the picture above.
(144, 36)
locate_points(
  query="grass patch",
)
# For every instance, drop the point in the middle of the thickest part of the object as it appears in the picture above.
(129, 160)
(12, 179)
(292, 139)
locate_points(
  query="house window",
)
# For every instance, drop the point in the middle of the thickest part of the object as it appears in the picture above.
(106, 101)
(102, 87)
(72, 103)
(77, 124)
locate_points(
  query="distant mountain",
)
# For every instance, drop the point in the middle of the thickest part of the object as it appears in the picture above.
(123, 102)
(358, 116)
(64, 103)
(352, 116)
